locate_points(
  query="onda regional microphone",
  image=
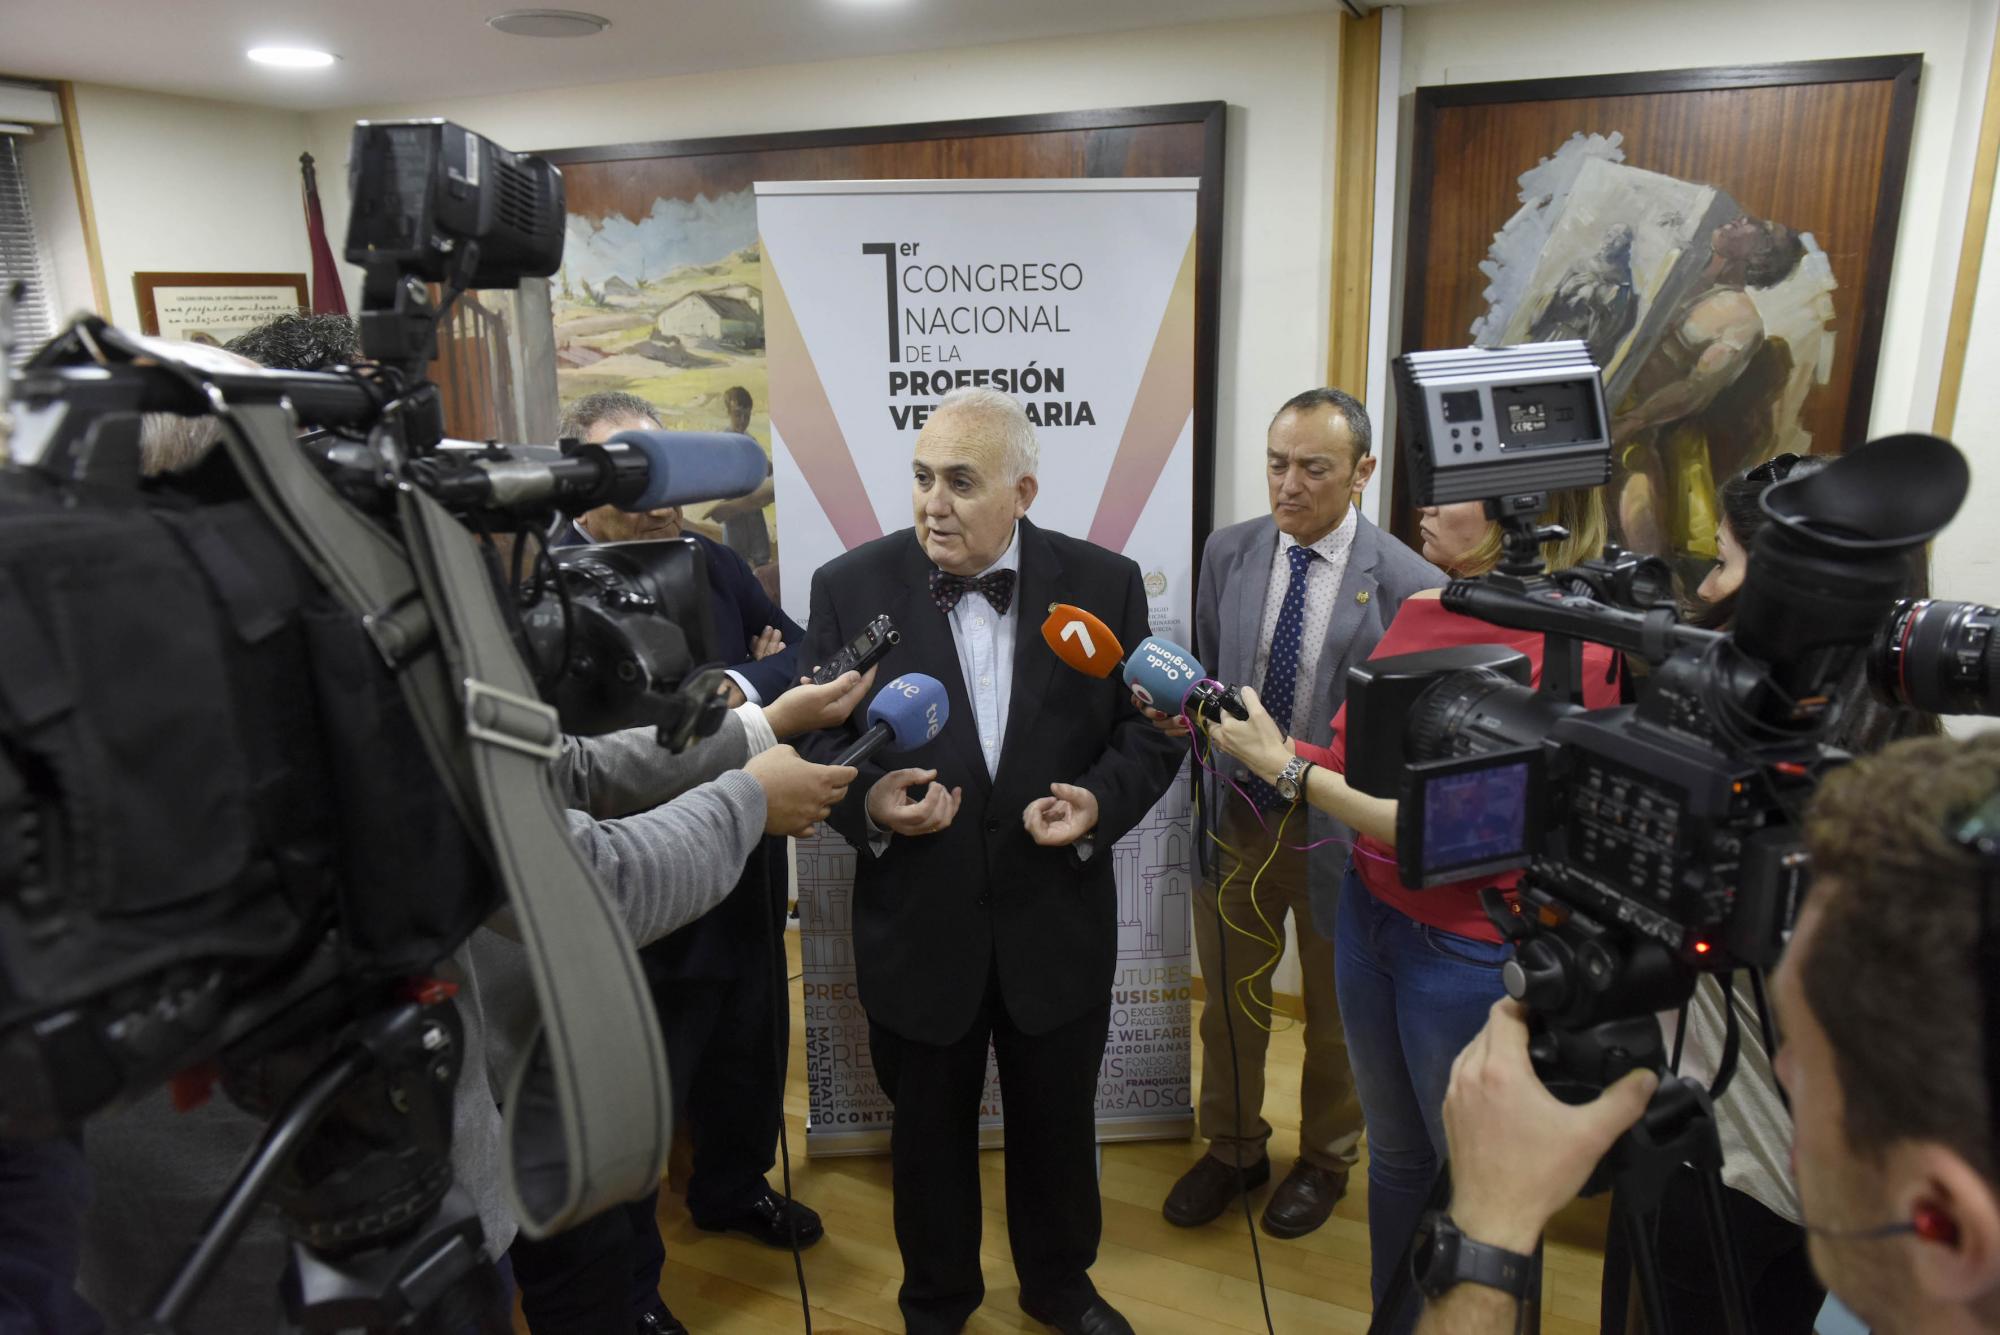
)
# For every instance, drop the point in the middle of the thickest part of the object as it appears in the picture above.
(1081, 640)
(905, 714)
(1168, 678)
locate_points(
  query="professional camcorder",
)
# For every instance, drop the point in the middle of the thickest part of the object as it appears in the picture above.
(1657, 840)
(275, 737)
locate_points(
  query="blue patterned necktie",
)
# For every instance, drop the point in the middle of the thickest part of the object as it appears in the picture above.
(1281, 674)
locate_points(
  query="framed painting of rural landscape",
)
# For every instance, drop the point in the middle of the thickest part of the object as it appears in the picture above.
(661, 289)
(1721, 239)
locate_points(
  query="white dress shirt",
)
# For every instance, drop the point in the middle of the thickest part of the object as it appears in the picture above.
(1323, 579)
(985, 641)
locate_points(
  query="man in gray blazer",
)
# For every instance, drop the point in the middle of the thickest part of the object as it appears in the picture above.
(1286, 603)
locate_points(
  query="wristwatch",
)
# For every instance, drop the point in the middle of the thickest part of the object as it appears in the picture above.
(1441, 1258)
(1291, 780)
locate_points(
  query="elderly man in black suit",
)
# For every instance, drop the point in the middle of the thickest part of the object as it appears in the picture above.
(984, 902)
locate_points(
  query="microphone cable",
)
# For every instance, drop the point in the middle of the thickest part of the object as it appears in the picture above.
(781, 1045)
(1228, 1021)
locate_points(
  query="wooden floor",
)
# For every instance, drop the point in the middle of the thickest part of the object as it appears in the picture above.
(1164, 1279)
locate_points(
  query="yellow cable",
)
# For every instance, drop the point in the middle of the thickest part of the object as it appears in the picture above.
(1272, 940)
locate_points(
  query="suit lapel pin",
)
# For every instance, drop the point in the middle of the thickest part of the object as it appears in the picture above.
(1362, 597)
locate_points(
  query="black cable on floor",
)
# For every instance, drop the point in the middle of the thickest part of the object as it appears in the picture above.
(1229, 1024)
(780, 1016)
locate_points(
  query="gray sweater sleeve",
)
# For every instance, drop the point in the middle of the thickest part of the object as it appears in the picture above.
(667, 866)
(625, 772)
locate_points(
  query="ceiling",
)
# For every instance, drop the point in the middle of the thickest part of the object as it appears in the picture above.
(400, 50)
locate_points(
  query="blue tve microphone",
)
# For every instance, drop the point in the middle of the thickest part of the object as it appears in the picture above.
(1164, 676)
(686, 467)
(906, 713)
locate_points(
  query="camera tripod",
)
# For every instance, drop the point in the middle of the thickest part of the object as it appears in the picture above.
(357, 1159)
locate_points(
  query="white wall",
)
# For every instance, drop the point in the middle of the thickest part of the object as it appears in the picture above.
(1276, 75)
(190, 186)
(1529, 39)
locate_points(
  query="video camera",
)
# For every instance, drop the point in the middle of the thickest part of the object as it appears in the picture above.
(271, 748)
(1661, 839)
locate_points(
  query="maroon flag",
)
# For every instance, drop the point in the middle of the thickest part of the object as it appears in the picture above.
(327, 297)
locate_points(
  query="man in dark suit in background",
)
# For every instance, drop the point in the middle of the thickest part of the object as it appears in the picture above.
(719, 993)
(984, 904)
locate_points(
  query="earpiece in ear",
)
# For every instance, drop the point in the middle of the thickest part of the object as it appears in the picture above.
(1934, 1225)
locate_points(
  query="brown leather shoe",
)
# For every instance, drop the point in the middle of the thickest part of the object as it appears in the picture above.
(1304, 1199)
(1209, 1188)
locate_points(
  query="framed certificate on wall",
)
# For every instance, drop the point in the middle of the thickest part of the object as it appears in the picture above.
(214, 307)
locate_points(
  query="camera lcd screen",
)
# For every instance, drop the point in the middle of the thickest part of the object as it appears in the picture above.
(1476, 817)
(1460, 405)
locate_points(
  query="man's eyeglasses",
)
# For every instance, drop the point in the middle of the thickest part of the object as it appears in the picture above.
(1774, 469)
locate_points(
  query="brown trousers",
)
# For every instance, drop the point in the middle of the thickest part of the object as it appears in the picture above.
(1329, 1110)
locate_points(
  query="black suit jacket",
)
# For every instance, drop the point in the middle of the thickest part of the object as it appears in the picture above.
(935, 913)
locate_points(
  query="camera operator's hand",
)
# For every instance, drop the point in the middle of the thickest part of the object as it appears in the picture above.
(808, 708)
(1256, 741)
(893, 806)
(797, 793)
(1170, 724)
(1518, 1153)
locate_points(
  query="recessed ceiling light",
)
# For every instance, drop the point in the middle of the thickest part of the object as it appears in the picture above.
(291, 57)
(548, 23)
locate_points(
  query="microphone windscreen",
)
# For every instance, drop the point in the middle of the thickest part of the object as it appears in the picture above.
(1161, 673)
(1082, 641)
(686, 467)
(914, 707)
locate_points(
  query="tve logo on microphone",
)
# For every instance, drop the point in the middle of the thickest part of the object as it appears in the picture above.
(1081, 640)
(914, 687)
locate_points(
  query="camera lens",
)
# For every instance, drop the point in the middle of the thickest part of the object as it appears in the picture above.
(1938, 656)
(1476, 711)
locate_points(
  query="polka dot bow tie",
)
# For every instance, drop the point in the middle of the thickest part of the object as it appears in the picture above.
(997, 587)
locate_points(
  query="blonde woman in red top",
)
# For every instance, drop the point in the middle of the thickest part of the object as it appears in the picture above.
(1416, 970)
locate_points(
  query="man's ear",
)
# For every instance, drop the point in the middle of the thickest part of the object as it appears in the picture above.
(1955, 1259)
(1364, 468)
(1025, 492)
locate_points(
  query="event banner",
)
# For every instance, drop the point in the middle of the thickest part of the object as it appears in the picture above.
(1076, 297)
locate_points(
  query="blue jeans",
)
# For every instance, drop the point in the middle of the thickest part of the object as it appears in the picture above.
(44, 1189)
(1411, 996)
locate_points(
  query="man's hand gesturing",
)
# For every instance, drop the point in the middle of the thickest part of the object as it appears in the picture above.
(894, 807)
(1063, 817)
(797, 793)
(808, 708)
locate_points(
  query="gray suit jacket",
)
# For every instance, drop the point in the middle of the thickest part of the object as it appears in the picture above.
(1229, 618)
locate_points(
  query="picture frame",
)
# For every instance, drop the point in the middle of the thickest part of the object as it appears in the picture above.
(1176, 139)
(1646, 193)
(214, 307)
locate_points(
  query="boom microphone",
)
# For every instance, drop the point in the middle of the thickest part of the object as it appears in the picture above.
(691, 466)
(634, 470)
(905, 714)
(1081, 640)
